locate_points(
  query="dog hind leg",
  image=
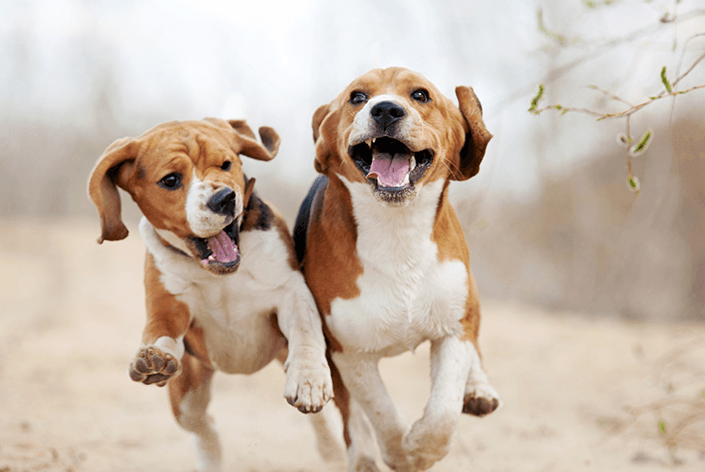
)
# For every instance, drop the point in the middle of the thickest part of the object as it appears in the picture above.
(190, 394)
(480, 397)
(357, 432)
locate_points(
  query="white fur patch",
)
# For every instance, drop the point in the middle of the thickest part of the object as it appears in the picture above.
(173, 239)
(172, 346)
(406, 294)
(429, 439)
(235, 310)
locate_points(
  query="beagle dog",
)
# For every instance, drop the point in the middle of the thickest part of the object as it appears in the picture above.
(223, 286)
(385, 257)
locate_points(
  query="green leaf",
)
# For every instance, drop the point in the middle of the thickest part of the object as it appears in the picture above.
(662, 427)
(640, 147)
(536, 100)
(633, 184)
(665, 81)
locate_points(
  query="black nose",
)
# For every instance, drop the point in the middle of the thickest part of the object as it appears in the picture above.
(223, 202)
(386, 113)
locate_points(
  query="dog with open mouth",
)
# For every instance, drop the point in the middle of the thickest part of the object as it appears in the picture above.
(384, 254)
(223, 286)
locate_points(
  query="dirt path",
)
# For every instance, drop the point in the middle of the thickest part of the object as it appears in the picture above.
(71, 317)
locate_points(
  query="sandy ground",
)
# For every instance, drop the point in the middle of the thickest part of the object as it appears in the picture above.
(71, 318)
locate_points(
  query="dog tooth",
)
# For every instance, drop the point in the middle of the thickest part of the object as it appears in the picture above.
(406, 180)
(412, 163)
(369, 143)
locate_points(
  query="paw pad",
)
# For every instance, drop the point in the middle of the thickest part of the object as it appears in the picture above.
(152, 366)
(479, 406)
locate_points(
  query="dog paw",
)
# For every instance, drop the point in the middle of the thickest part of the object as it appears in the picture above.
(152, 366)
(427, 442)
(364, 464)
(308, 382)
(481, 401)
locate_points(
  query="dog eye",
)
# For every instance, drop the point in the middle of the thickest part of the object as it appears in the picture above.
(420, 95)
(226, 165)
(171, 181)
(357, 98)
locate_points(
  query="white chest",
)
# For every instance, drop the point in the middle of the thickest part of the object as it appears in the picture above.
(236, 311)
(406, 294)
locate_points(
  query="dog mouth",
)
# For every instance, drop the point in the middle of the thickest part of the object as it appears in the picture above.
(219, 253)
(389, 164)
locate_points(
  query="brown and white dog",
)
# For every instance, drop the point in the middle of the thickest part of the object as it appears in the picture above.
(223, 287)
(385, 257)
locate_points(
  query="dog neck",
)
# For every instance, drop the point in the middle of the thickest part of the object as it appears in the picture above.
(172, 241)
(395, 235)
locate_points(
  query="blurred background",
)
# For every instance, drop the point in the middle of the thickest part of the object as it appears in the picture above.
(550, 219)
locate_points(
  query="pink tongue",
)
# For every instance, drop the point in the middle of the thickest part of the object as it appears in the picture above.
(389, 170)
(224, 250)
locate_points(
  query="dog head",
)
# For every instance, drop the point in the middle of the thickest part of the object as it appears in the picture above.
(394, 130)
(186, 177)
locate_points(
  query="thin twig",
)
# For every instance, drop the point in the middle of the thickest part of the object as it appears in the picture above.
(697, 61)
(610, 94)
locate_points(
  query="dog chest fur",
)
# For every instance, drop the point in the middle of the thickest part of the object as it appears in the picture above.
(406, 294)
(235, 311)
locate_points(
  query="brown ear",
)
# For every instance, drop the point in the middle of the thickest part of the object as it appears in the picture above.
(476, 135)
(110, 171)
(324, 125)
(249, 187)
(242, 127)
(250, 147)
(248, 143)
(318, 117)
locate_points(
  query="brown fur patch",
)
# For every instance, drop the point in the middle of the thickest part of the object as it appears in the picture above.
(341, 399)
(194, 374)
(166, 316)
(450, 240)
(195, 343)
(331, 265)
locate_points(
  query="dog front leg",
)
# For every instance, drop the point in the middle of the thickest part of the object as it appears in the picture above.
(308, 381)
(361, 376)
(168, 319)
(429, 439)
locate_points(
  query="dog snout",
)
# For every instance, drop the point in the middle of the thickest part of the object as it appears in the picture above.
(223, 202)
(387, 113)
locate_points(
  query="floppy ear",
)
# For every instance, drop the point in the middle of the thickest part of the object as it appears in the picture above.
(241, 127)
(246, 138)
(324, 123)
(318, 117)
(111, 170)
(476, 135)
(250, 147)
